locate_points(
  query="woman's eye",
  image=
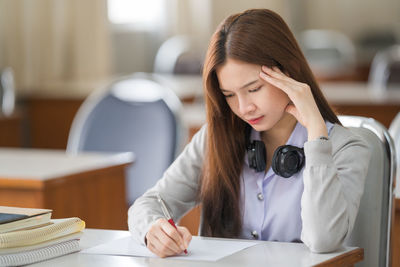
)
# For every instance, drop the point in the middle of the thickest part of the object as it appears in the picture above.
(255, 90)
(227, 96)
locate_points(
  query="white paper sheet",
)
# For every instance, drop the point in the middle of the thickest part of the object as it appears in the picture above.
(201, 249)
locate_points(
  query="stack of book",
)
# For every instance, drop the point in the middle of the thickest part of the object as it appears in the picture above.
(29, 235)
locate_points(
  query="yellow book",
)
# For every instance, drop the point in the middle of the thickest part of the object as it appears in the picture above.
(57, 228)
(46, 244)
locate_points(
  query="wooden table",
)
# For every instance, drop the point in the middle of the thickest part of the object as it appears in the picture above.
(263, 254)
(11, 134)
(350, 98)
(90, 186)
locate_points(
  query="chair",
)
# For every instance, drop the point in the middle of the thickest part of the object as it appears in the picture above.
(394, 130)
(371, 41)
(372, 230)
(385, 69)
(132, 114)
(328, 52)
(7, 92)
(178, 55)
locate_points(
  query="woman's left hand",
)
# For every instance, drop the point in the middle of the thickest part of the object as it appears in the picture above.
(302, 105)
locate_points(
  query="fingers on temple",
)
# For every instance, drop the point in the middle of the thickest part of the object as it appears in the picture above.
(278, 74)
(275, 82)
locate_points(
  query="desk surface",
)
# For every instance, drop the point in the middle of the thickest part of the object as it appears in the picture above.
(44, 164)
(263, 254)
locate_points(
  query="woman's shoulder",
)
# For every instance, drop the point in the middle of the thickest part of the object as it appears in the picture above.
(338, 132)
(345, 136)
(201, 135)
(197, 144)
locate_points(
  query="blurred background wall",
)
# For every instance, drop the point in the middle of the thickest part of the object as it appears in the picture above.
(81, 42)
(52, 42)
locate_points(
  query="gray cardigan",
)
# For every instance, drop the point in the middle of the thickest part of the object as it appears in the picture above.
(333, 177)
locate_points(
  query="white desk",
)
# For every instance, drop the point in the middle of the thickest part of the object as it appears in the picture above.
(88, 185)
(45, 164)
(185, 86)
(358, 93)
(264, 254)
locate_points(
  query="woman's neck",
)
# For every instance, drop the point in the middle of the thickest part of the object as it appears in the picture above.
(280, 133)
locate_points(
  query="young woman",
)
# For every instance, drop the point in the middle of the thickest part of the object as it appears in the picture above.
(259, 87)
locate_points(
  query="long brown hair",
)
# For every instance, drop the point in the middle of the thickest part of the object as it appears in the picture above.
(257, 36)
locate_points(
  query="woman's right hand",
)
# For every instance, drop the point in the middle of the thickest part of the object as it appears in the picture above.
(164, 240)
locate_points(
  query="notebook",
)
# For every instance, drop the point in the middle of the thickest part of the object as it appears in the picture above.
(48, 243)
(57, 228)
(40, 254)
(13, 218)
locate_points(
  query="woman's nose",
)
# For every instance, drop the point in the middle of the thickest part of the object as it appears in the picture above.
(245, 105)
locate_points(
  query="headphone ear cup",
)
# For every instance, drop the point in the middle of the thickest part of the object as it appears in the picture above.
(276, 158)
(288, 160)
(256, 155)
(261, 155)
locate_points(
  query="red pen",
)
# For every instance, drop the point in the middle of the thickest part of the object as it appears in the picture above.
(167, 214)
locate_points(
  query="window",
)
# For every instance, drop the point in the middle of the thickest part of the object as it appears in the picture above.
(146, 14)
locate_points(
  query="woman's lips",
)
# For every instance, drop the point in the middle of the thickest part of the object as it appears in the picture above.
(256, 120)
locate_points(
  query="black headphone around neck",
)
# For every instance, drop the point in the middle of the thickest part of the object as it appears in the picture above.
(286, 161)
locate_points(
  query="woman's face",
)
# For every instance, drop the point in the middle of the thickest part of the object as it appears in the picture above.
(255, 101)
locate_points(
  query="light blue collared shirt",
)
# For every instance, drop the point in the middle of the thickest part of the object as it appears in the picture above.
(271, 205)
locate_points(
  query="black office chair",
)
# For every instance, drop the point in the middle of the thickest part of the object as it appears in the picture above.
(133, 114)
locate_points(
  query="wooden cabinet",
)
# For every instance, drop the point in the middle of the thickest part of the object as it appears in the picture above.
(49, 120)
(11, 130)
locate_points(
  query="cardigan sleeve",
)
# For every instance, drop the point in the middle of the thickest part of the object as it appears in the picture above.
(334, 177)
(178, 187)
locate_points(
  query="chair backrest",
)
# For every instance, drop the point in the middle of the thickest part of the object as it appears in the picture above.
(178, 55)
(328, 52)
(372, 229)
(7, 92)
(133, 114)
(385, 69)
(394, 131)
